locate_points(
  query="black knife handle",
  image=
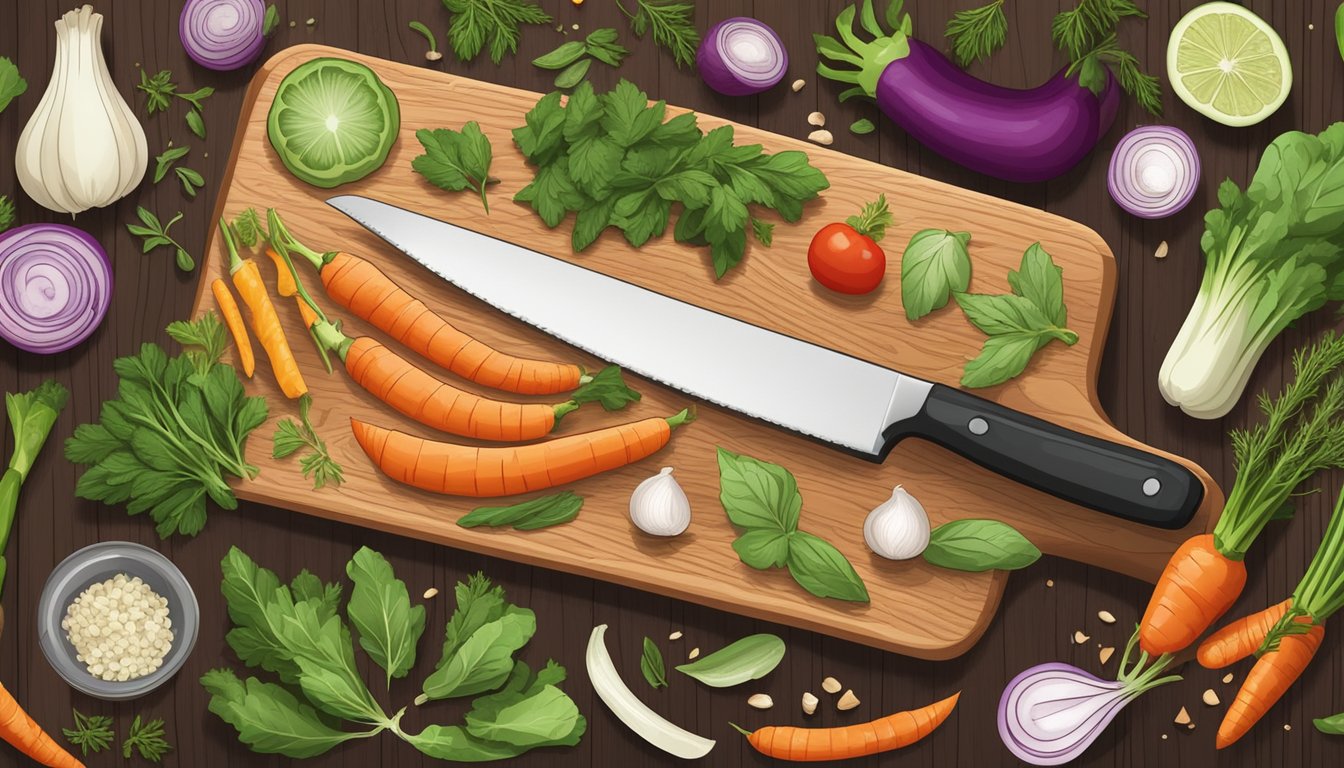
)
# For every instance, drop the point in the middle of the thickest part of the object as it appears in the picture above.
(1114, 479)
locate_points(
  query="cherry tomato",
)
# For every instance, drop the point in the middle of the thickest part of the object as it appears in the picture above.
(846, 261)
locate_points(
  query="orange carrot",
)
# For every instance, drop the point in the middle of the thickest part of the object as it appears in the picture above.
(1198, 585)
(265, 321)
(18, 729)
(371, 295)
(881, 735)
(284, 279)
(306, 312)
(1241, 638)
(464, 470)
(234, 320)
(1274, 672)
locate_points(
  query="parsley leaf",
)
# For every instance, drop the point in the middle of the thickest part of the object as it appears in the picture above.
(164, 162)
(456, 160)
(482, 636)
(160, 90)
(12, 84)
(478, 22)
(934, 265)
(290, 436)
(92, 733)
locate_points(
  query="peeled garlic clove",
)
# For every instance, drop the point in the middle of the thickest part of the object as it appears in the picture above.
(822, 137)
(830, 685)
(898, 529)
(761, 701)
(816, 119)
(848, 701)
(809, 703)
(659, 507)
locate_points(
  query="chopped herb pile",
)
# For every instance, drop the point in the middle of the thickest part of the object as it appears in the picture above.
(160, 90)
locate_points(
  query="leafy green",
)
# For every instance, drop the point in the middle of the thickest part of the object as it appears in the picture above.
(862, 127)
(979, 545)
(191, 180)
(1272, 254)
(1086, 33)
(565, 54)
(147, 738)
(614, 161)
(92, 733)
(573, 74)
(160, 90)
(672, 25)
(164, 162)
(977, 33)
(1334, 724)
(456, 160)
(1339, 40)
(651, 664)
(935, 265)
(164, 445)
(607, 387)
(541, 512)
(270, 21)
(155, 234)
(12, 84)
(570, 57)
(380, 610)
(291, 435)
(6, 213)
(750, 658)
(763, 499)
(873, 220)
(478, 22)
(764, 231)
(1017, 324)
(270, 719)
(31, 417)
(482, 636)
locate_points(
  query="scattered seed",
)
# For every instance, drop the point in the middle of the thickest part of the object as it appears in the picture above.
(1080, 638)
(1190, 727)
(798, 85)
(760, 701)
(1164, 737)
(694, 653)
(1183, 717)
(675, 635)
(311, 21)
(433, 55)
(822, 137)
(559, 27)
(293, 23)
(817, 119)
(1161, 252)
(1310, 27)
(1105, 654)
(1106, 616)
(575, 27)
(830, 685)
(809, 703)
(1287, 727)
(848, 701)
(431, 592)
(1211, 698)
(1227, 678)
(1049, 582)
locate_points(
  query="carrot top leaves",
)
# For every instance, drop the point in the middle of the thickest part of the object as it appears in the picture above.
(607, 387)
(1320, 593)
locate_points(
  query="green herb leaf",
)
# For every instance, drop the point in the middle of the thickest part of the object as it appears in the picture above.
(147, 738)
(1087, 34)
(196, 123)
(758, 494)
(873, 220)
(204, 340)
(92, 733)
(979, 545)
(541, 512)
(764, 231)
(455, 160)
(763, 548)
(380, 610)
(571, 76)
(163, 162)
(155, 234)
(1040, 281)
(158, 90)
(476, 23)
(1333, 725)
(484, 660)
(270, 21)
(607, 387)
(935, 265)
(563, 56)
(651, 664)
(6, 213)
(1339, 32)
(191, 180)
(271, 720)
(1002, 358)
(977, 33)
(862, 127)
(543, 717)
(478, 603)
(290, 436)
(601, 44)
(672, 25)
(819, 568)
(750, 658)
(12, 85)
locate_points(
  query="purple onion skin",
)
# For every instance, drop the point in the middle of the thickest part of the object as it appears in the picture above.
(1025, 136)
(240, 58)
(11, 243)
(715, 74)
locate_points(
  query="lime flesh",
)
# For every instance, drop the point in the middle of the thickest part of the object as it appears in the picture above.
(333, 121)
(1227, 64)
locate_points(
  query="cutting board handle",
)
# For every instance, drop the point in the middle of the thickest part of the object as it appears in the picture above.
(1114, 479)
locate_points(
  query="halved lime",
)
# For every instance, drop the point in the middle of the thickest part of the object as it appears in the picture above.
(1228, 64)
(333, 121)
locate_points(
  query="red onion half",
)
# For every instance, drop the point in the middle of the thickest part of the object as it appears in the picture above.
(55, 287)
(741, 56)
(222, 34)
(1154, 171)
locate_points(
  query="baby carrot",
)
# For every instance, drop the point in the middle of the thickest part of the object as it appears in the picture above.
(463, 470)
(1271, 677)
(881, 735)
(234, 320)
(1241, 638)
(266, 323)
(18, 729)
(1198, 585)
(284, 279)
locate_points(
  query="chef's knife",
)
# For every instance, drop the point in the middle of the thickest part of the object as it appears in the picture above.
(850, 403)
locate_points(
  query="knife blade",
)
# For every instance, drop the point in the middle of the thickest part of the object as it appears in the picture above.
(852, 404)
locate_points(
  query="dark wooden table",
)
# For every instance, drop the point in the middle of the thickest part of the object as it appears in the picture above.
(1043, 605)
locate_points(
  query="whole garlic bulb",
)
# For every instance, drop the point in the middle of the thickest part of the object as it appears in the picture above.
(659, 507)
(898, 529)
(83, 147)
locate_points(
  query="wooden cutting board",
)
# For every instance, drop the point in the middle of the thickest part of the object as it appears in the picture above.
(916, 609)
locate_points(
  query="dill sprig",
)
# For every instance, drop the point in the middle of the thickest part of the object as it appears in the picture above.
(977, 33)
(147, 738)
(1087, 35)
(92, 733)
(672, 25)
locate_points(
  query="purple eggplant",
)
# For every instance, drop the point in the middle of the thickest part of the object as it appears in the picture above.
(1027, 135)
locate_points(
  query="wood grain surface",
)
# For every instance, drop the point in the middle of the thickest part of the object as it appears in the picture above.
(1041, 607)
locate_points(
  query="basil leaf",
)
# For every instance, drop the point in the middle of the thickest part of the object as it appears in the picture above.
(270, 719)
(750, 658)
(979, 545)
(562, 56)
(1334, 724)
(483, 662)
(1041, 282)
(862, 127)
(758, 494)
(380, 610)
(819, 568)
(651, 664)
(529, 515)
(12, 85)
(762, 549)
(542, 718)
(935, 265)
(196, 123)
(1002, 358)
(573, 74)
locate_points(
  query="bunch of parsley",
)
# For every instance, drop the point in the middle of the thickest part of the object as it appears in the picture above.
(613, 160)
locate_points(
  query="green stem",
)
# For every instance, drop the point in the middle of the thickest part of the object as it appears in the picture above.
(9, 504)
(686, 416)
(280, 235)
(569, 406)
(235, 263)
(330, 337)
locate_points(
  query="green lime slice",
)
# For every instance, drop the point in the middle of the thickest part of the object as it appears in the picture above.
(332, 121)
(1228, 64)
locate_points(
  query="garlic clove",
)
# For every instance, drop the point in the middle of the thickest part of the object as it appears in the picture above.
(809, 703)
(659, 506)
(898, 529)
(761, 701)
(830, 685)
(848, 701)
